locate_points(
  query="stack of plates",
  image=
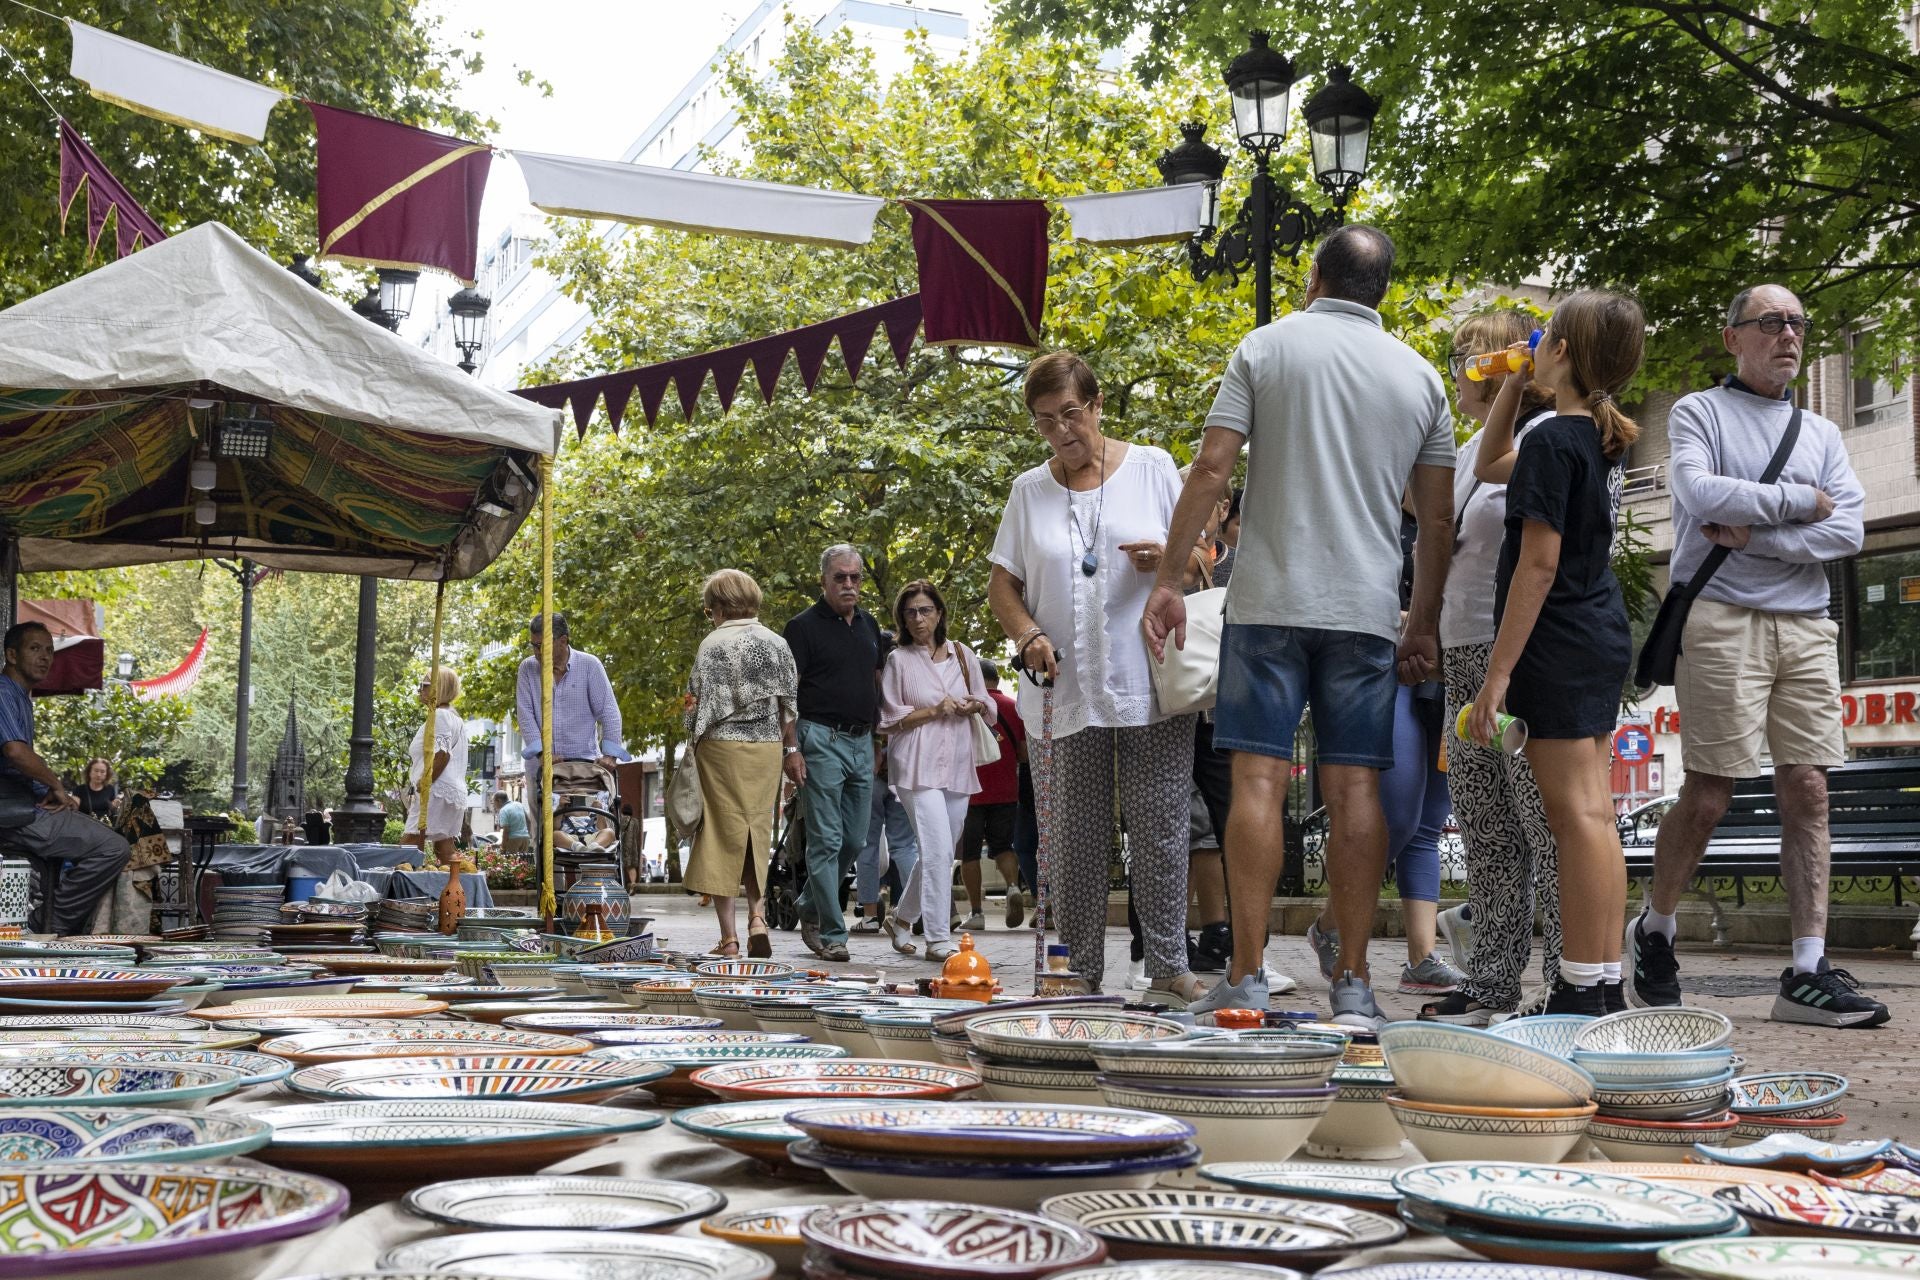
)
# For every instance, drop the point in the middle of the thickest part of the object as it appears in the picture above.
(407, 915)
(241, 912)
(1004, 1156)
(1803, 1102)
(1223, 1226)
(1663, 1080)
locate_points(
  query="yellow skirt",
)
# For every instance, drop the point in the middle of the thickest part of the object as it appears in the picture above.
(739, 787)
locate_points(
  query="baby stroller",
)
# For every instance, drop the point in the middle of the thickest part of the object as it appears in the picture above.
(589, 824)
(787, 865)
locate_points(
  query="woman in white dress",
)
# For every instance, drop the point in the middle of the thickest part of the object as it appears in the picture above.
(447, 796)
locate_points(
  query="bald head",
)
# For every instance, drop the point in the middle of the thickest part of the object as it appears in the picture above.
(1354, 264)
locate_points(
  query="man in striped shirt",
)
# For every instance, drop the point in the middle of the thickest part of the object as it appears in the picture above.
(586, 718)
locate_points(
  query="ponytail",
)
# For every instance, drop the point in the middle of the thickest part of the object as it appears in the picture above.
(1617, 430)
(1606, 336)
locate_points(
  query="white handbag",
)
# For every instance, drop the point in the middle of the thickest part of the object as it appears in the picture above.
(986, 747)
(1188, 679)
(685, 805)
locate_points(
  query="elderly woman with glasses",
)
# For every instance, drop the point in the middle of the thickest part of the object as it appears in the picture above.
(1073, 563)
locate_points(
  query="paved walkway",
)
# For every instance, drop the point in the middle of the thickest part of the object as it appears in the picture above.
(1883, 1064)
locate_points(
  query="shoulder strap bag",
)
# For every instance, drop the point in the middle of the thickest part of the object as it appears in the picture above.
(1661, 653)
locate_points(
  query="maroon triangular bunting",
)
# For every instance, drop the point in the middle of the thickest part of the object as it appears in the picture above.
(727, 364)
(583, 399)
(855, 338)
(767, 364)
(903, 322)
(688, 379)
(652, 386)
(810, 347)
(618, 391)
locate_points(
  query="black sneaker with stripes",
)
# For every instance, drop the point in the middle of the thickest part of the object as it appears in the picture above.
(1827, 997)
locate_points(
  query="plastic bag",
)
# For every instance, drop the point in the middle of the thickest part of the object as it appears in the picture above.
(340, 887)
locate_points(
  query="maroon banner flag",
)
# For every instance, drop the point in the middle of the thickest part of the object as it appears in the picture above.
(983, 271)
(81, 169)
(391, 195)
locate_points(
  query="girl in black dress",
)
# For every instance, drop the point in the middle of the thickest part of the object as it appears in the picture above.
(1561, 657)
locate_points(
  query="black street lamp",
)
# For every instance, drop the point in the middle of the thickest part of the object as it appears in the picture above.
(389, 301)
(1339, 122)
(469, 308)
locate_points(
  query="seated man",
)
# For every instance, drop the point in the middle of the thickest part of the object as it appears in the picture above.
(515, 835)
(39, 819)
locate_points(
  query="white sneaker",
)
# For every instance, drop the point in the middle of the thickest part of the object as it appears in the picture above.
(1137, 975)
(1278, 983)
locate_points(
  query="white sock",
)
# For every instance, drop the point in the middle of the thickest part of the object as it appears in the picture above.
(1666, 926)
(1807, 954)
(1611, 970)
(1579, 973)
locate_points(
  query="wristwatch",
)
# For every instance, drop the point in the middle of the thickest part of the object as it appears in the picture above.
(789, 751)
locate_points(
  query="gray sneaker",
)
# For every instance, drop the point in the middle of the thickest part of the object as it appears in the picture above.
(1431, 977)
(1016, 907)
(1457, 929)
(810, 935)
(1248, 993)
(1326, 946)
(1353, 1005)
(975, 922)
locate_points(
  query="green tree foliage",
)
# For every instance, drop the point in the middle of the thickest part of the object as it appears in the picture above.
(1638, 143)
(126, 730)
(914, 466)
(387, 57)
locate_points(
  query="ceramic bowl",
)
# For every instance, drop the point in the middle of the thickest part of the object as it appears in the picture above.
(506, 1079)
(124, 1220)
(1647, 1070)
(844, 1024)
(1649, 1104)
(570, 1023)
(903, 1033)
(1575, 1201)
(969, 1130)
(554, 1202)
(540, 1255)
(732, 1003)
(1673, 1029)
(254, 1068)
(944, 1240)
(423, 1040)
(955, 1021)
(685, 1061)
(773, 1231)
(1359, 1125)
(1748, 1129)
(37, 1083)
(1222, 1062)
(1003, 1081)
(1794, 1151)
(1233, 1124)
(1802, 1095)
(1064, 1037)
(1553, 1032)
(619, 951)
(1226, 1225)
(45, 1134)
(1018, 1183)
(1464, 1066)
(1541, 1135)
(784, 1013)
(758, 1130)
(1516, 1248)
(835, 1078)
(745, 970)
(1660, 1141)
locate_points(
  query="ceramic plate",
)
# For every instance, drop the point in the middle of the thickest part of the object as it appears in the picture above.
(1340, 1182)
(41, 1082)
(354, 965)
(480, 991)
(84, 982)
(1533, 1198)
(689, 1037)
(1065, 1036)
(757, 1129)
(571, 1255)
(556, 1203)
(1663, 1030)
(1470, 1271)
(1789, 1093)
(1826, 1211)
(1617, 1254)
(349, 1006)
(773, 1231)
(1434, 1062)
(254, 1068)
(110, 1133)
(1228, 1224)
(1704, 1178)
(1781, 1258)
(430, 1040)
(834, 1078)
(983, 1129)
(71, 1021)
(1796, 1151)
(938, 1239)
(569, 1022)
(500, 1078)
(1890, 1180)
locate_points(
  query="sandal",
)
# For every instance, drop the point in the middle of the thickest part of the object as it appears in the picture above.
(729, 949)
(759, 941)
(1457, 1008)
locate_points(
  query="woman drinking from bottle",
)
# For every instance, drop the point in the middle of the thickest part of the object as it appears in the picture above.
(1561, 656)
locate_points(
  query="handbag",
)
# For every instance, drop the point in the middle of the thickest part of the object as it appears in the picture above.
(1188, 679)
(986, 746)
(1660, 655)
(684, 805)
(17, 805)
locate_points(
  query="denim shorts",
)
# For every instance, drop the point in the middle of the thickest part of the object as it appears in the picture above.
(1269, 675)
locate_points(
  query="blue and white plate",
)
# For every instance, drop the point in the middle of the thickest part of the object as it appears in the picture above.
(1796, 1151)
(985, 1130)
(1501, 1246)
(1343, 1182)
(1588, 1203)
(116, 1133)
(1223, 1224)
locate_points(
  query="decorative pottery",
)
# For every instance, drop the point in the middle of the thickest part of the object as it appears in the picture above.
(1754, 1128)
(36, 1083)
(1776, 1258)
(1647, 1070)
(1063, 1037)
(1222, 1062)
(774, 1232)
(732, 1002)
(687, 1037)
(1178, 1271)
(119, 1021)
(1823, 1211)
(1223, 1224)
(426, 1040)
(253, 1068)
(123, 1220)
(1683, 1100)
(162, 1005)
(1359, 1125)
(1476, 1270)
(384, 1005)
(595, 905)
(1232, 1124)
(758, 1130)
(1796, 1153)
(1443, 1132)
(83, 982)
(496, 1012)
(1655, 1140)
(620, 950)
(1464, 1066)
(354, 965)
(942, 1240)
(132, 1037)
(42, 1134)
(559, 1203)
(1888, 1180)
(966, 975)
(470, 991)
(507, 1079)
(1069, 1084)
(844, 1024)
(576, 1255)
(835, 1078)
(1019, 1183)
(1798, 1094)
(748, 970)
(453, 898)
(413, 984)
(972, 1129)
(1337, 1182)
(1703, 1178)
(1542, 1250)
(1673, 1029)
(565, 1022)
(1564, 1200)
(407, 1143)
(687, 1060)
(16, 879)
(234, 994)
(1552, 1032)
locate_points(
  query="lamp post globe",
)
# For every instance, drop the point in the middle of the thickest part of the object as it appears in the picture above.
(1260, 81)
(368, 308)
(396, 293)
(1339, 126)
(469, 308)
(1195, 160)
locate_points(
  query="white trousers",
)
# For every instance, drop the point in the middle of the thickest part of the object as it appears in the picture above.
(937, 817)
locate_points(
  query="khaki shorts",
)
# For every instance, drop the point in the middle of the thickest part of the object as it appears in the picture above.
(1747, 678)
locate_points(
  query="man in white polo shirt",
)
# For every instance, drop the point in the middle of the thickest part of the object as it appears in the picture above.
(1340, 420)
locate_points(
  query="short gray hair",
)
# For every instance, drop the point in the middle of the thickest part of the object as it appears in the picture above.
(1742, 298)
(839, 551)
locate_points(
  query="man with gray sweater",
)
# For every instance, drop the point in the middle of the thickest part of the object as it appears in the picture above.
(1759, 660)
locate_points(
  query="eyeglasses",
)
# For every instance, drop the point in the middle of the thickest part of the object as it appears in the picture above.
(1457, 362)
(920, 611)
(1772, 324)
(846, 577)
(1070, 417)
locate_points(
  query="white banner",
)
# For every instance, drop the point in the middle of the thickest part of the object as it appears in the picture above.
(177, 90)
(1138, 217)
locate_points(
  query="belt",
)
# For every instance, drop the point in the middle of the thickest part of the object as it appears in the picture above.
(852, 728)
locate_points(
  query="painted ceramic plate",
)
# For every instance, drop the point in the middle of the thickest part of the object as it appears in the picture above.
(115, 1133)
(1227, 1224)
(682, 1036)
(1340, 1182)
(1890, 1180)
(1802, 1094)
(835, 1078)
(1065, 1036)
(432, 1040)
(757, 1129)
(984, 1129)
(556, 1203)
(471, 990)
(938, 1239)
(773, 1231)
(42, 1082)
(1629, 1254)
(1825, 1211)
(572, 1022)
(348, 1006)
(1796, 1151)
(1782, 1258)
(254, 1068)
(1704, 1178)
(84, 982)
(354, 965)
(71, 1021)
(571, 1255)
(1559, 1199)
(1469, 1271)
(513, 1079)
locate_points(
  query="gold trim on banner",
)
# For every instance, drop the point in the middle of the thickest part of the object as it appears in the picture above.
(141, 108)
(412, 180)
(83, 187)
(693, 228)
(992, 274)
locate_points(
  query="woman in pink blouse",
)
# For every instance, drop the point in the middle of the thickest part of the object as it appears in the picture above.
(930, 688)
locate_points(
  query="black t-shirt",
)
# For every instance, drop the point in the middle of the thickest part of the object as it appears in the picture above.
(836, 660)
(96, 803)
(1560, 479)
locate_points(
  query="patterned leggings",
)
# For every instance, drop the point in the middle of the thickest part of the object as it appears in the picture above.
(1154, 767)
(1511, 856)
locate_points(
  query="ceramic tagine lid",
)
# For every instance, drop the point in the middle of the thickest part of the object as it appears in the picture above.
(967, 975)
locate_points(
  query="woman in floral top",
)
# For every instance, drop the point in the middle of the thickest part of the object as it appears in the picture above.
(743, 698)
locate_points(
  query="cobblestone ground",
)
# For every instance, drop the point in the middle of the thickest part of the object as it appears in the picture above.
(1883, 1064)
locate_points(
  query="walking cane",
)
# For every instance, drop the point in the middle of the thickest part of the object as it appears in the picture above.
(1043, 819)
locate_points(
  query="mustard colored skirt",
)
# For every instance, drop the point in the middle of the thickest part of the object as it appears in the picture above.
(739, 787)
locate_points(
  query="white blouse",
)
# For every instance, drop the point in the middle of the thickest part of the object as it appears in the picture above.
(450, 736)
(1094, 622)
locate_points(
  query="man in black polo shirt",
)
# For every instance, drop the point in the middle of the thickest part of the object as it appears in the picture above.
(838, 649)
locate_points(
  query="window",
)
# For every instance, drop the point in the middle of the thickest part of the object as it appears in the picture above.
(1880, 400)
(1886, 602)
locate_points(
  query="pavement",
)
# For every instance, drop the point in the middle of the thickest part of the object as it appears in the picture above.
(1883, 1063)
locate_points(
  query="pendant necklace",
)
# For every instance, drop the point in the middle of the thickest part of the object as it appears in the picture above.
(1090, 562)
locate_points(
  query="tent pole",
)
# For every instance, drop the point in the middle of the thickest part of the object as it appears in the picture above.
(361, 817)
(547, 903)
(432, 729)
